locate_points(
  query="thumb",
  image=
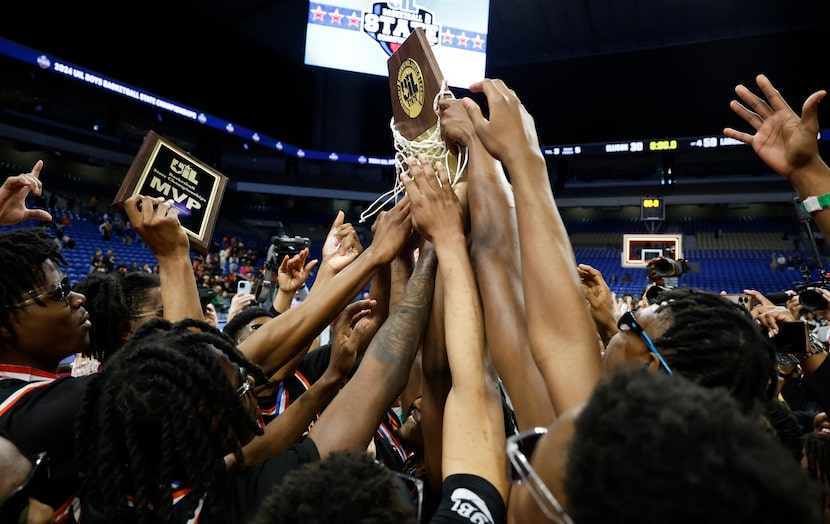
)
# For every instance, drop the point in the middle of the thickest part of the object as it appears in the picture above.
(809, 111)
(474, 112)
(338, 221)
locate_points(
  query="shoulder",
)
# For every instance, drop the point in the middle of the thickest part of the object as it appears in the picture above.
(469, 499)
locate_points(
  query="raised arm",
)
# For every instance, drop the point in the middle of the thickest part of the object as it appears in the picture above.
(786, 142)
(494, 250)
(562, 337)
(353, 416)
(279, 339)
(473, 436)
(286, 429)
(13, 195)
(156, 221)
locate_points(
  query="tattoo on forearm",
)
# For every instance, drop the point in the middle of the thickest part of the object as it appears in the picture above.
(398, 339)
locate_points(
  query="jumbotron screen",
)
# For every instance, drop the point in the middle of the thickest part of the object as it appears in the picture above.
(361, 35)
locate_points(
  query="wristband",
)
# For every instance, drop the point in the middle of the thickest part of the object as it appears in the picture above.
(816, 203)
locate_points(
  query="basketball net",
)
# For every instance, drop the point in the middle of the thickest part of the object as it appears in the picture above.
(429, 143)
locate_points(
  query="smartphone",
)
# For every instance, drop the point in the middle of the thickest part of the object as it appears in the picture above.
(243, 286)
(792, 337)
(742, 299)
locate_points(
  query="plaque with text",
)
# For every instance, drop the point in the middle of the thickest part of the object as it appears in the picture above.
(414, 82)
(163, 169)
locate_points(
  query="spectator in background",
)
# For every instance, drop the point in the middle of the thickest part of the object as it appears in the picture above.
(105, 229)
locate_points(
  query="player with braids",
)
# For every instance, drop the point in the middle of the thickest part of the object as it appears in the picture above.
(708, 339)
(160, 418)
(117, 304)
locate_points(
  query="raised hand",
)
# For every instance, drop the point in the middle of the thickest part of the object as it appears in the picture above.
(13, 195)
(156, 221)
(342, 245)
(293, 272)
(510, 133)
(782, 139)
(436, 211)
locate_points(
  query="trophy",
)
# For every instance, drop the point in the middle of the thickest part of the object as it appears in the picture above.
(414, 81)
(163, 169)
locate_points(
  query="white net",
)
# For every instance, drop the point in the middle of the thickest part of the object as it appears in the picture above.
(429, 143)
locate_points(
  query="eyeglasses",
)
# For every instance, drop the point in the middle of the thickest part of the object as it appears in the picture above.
(626, 322)
(59, 290)
(519, 447)
(15, 507)
(156, 312)
(410, 489)
(246, 384)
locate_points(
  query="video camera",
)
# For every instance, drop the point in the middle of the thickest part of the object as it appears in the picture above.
(284, 245)
(662, 273)
(281, 246)
(808, 296)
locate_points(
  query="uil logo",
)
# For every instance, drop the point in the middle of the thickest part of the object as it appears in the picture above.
(391, 22)
(184, 170)
(411, 88)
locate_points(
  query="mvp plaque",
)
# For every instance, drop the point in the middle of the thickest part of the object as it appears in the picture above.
(162, 169)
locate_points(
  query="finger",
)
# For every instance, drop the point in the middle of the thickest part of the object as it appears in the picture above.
(809, 111)
(751, 118)
(38, 214)
(746, 138)
(338, 221)
(754, 102)
(36, 169)
(443, 177)
(772, 95)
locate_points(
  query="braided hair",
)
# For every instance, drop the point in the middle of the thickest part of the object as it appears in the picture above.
(716, 343)
(162, 411)
(110, 300)
(22, 254)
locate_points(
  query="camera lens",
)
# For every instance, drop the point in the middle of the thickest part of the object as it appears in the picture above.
(666, 267)
(811, 299)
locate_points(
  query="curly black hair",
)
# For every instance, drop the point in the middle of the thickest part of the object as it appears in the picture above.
(161, 410)
(347, 486)
(716, 343)
(22, 254)
(654, 448)
(238, 321)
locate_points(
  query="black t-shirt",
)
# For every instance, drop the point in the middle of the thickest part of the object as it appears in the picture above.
(37, 412)
(311, 368)
(469, 499)
(240, 493)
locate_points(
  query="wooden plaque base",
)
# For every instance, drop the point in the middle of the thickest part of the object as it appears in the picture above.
(161, 168)
(414, 81)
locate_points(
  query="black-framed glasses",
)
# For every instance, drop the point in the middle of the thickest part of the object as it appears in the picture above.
(628, 321)
(410, 489)
(154, 313)
(60, 290)
(520, 447)
(15, 507)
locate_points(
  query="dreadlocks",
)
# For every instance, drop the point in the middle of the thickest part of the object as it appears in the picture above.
(162, 412)
(716, 343)
(110, 300)
(22, 254)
